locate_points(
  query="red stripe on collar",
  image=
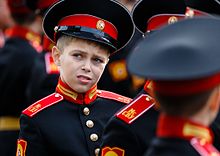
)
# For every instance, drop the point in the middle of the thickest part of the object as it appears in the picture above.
(78, 98)
(23, 33)
(176, 127)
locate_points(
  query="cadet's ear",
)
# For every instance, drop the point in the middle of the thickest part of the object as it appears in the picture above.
(216, 99)
(56, 55)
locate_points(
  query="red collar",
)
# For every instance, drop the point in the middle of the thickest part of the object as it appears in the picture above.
(22, 32)
(170, 126)
(78, 98)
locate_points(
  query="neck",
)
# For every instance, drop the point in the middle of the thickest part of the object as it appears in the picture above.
(35, 26)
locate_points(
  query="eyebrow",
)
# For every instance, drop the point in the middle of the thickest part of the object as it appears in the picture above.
(83, 52)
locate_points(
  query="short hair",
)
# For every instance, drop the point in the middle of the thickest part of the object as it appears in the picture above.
(65, 40)
(24, 18)
(187, 105)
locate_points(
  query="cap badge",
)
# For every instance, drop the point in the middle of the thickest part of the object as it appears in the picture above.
(172, 19)
(100, 25)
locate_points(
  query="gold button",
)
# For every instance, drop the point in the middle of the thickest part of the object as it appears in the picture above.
(86, 111)
(57, 95)
(89, 123)
(94, 137)
(97, 150)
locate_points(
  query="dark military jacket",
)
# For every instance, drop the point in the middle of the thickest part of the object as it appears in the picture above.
(16, 60)
(67, 123)
(131, 137)
(171, 147)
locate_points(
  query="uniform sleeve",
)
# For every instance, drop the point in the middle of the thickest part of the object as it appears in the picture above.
(30, 141)
(119, 139)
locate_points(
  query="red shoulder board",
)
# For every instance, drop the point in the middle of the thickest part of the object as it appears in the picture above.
(114, 96)
(204, 148)
(136, 108)
(51, 67)
(42, 104)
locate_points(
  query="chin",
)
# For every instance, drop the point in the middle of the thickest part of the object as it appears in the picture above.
(82, 89)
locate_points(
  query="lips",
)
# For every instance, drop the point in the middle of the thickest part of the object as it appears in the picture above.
(84, 79)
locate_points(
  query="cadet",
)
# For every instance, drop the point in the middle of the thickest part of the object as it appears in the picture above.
(71, 120)
(130, 131)
(184, 69)
(209, 8)
(45, 73)
(16, 59)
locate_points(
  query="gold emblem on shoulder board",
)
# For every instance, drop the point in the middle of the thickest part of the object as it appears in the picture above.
(172, 19)
(100, 25)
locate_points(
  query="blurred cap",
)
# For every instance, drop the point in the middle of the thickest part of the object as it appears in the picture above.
(27, 6)
(147, 9)
(182, 58)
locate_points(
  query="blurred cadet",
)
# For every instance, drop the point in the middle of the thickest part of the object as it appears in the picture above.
(45, 73)
(16, 60)
(209, 8)
(185, 73)
(116, 77)
(5, 20)
(71, 120)
(124, 132)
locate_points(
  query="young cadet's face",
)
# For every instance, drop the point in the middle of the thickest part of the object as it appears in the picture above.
(81, 64)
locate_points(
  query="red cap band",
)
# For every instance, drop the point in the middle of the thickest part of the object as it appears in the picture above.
(193, 12)
(160, 20)
(90, 22)
(181, 88)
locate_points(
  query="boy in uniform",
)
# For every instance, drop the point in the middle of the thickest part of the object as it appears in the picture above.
(71, 120)
(184, 69)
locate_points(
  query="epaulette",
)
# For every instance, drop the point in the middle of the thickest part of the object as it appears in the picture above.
(42, 104)
(204, 148)
(51, 67)
(136, 108)
(113, 96)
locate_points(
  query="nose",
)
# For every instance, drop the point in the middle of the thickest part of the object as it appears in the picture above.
(86, 66)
